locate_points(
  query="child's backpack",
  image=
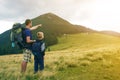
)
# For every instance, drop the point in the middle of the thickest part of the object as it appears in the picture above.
(38, 48)
(16, 35)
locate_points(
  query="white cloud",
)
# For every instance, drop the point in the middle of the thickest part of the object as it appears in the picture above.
(5, 25)
(102, 15)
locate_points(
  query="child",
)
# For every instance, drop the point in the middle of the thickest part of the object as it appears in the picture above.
(38, 49)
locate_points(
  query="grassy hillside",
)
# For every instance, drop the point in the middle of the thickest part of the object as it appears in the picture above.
(76, 57)
(86, 41)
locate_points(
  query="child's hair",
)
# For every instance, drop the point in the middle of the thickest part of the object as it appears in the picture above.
(40, 35)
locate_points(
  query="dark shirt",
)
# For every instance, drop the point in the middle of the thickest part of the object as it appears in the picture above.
(27, 33)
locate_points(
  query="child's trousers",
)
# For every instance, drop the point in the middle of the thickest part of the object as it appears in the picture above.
(38, 63)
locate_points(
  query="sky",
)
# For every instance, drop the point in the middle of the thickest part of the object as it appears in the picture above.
(94, 14)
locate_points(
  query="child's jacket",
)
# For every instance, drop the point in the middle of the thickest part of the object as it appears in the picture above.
(38, 48)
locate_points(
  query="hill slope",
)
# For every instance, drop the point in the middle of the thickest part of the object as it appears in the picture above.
(76, 57)
(86, 41)
(84, 29)
(113, 33)
(53, 27)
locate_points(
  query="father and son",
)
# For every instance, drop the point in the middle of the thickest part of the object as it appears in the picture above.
(36, 47)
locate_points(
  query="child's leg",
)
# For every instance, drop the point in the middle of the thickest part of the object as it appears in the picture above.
(36, 64)
(41, 62)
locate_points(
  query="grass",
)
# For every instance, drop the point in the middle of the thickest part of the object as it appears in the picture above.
(75, 57)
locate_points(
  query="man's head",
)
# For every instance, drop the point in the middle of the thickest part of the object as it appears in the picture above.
(28, 23)
(40, 35)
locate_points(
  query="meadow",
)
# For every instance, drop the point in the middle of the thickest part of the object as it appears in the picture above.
(81, 56)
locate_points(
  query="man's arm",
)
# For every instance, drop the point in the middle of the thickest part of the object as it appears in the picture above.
(29, 41)
(35, 27)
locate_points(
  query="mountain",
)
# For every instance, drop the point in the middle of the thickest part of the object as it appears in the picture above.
(84, 29)
(113, 33)
(53, 26)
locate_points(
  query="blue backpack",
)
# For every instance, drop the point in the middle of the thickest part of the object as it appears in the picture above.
(16, 35)
(38, 48)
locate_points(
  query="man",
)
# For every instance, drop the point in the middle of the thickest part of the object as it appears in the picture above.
(27, 39)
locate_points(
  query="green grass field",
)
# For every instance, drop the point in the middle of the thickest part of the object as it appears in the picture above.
(76, 57)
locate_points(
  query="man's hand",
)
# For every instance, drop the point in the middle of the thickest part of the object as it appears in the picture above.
(35, 27)
(39, 25)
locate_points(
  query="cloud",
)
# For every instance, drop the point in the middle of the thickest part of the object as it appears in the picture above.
(6, 25)
(13, 9)
(21, 9)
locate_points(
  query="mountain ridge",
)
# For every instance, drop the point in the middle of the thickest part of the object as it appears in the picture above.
(53, 26)
(108, 32)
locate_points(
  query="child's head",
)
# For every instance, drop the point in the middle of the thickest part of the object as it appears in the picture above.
(40, 35)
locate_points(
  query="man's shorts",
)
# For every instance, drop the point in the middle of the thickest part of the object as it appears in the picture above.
(27, 55)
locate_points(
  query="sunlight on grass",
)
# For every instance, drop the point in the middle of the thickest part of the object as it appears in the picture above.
(87, 58)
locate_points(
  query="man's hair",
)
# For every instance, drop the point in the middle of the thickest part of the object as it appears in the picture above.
(27, 21)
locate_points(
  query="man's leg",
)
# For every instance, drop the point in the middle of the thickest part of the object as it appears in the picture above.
(23, 66)
(26, 59)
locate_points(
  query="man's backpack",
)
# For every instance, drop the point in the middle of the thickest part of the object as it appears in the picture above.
(16, 35)
(38, 48)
